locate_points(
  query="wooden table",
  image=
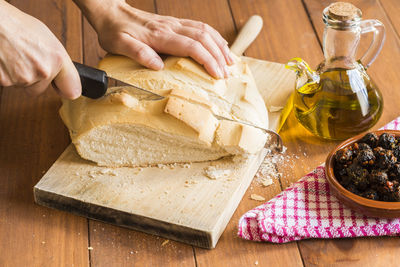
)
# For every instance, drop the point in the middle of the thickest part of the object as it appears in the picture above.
(32, 137)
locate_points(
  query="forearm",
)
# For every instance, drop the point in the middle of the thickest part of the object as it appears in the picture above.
(91, 7)
(96, 10)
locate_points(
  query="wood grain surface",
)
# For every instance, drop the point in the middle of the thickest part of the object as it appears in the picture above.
(179, 203)
(32, 137)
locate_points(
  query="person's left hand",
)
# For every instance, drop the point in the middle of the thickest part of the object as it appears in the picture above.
(125, 30)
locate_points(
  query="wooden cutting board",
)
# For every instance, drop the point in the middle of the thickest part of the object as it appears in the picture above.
(176, 202)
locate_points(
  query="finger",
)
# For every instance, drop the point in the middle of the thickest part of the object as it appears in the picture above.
(219, 40)
(179, 45)
(205, 39)
(67, 81)
(142, 53)
(37, 88)
(5, 79)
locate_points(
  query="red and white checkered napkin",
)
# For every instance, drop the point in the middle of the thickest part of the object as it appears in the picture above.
(308, 210)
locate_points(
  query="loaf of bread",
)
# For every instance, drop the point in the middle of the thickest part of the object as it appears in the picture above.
(120, 130)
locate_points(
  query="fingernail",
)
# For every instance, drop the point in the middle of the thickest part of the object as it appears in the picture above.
(156, 64)
(226, 70)
(231, 57)
(219, 73)
(77, 92)
(229, 54)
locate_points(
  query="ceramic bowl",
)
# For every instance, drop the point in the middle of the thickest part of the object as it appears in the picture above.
(365, 206)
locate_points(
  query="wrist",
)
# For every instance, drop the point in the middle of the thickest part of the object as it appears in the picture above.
(97, 10)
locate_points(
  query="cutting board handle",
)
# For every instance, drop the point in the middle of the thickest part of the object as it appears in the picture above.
(247, 34)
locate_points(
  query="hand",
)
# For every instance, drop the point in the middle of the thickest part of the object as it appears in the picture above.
(31, 57)
(125, 30)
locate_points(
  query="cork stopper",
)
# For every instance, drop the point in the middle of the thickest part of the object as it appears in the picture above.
(343, 11)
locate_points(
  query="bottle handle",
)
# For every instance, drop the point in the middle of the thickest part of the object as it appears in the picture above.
(378, 29)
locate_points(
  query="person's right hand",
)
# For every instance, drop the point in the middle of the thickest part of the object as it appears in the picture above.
(31, 57)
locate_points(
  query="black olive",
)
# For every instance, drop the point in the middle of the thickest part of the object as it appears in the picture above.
(384, 158)
(378, 177)
(369, 167)
(370, 139)
(365, 157)
(396, 151)
(387, 141)
(344, 155)
(359, 176)
(396, 194)
(371, 194)
(363, 146)
(352, 188)
(394, 172)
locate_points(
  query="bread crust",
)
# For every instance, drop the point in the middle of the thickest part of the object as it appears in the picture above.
(191, 98)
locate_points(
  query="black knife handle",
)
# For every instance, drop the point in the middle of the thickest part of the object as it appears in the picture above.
(94, 81)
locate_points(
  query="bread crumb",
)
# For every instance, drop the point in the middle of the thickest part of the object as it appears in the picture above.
(213, 173)
(172, 166)
(256, 263)
(104, 171)
(268, 170)
(161, 166)
(90, 248)
(267, 181)
(257, 197)
(187, 165)
(107, 171)
(165, 242)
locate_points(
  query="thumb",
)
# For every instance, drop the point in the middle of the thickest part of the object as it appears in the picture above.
(67, 81)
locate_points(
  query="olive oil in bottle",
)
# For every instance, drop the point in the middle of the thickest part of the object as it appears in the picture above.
(339, 100)
(344, 103)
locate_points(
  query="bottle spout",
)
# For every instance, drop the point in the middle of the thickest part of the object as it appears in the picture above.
(305, 75)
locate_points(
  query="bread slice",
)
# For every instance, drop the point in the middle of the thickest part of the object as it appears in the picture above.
(120, 130)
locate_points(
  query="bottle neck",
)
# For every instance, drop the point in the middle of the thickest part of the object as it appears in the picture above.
(340, 47)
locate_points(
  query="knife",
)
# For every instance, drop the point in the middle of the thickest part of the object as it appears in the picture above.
(279, 142)
(95, 84)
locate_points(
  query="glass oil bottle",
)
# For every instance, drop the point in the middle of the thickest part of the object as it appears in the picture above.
(339, 100)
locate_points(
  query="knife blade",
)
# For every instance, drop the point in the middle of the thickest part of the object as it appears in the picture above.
(95, 84)
(279, 143)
